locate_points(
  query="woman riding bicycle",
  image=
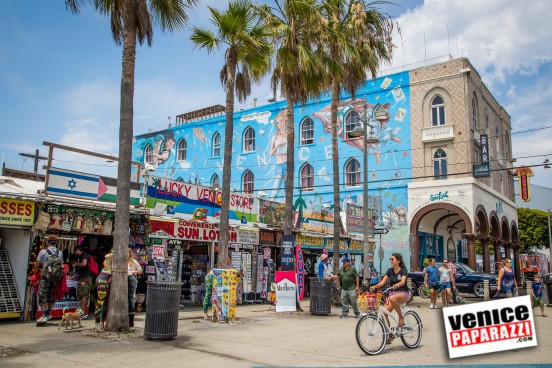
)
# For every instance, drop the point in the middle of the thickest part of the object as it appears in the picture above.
(397, 277)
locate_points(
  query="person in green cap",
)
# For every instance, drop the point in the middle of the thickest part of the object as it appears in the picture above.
(349, 288)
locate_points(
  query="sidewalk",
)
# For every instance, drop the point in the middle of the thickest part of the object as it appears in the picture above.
(258, 338)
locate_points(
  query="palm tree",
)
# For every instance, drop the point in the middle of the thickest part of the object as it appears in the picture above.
(246, 60)
(357, 38)
(298, 71)
(131, 21)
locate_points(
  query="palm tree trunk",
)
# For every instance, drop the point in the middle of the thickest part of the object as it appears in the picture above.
(335, 162)
(290, 169)
(224, 223)
(117, 318)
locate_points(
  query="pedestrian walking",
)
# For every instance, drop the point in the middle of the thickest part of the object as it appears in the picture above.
(446, 281)
(506, 279)
(85, 279)
(349, 288)
(50, 262)
(323, 271)
(536, 293)
(431, 281)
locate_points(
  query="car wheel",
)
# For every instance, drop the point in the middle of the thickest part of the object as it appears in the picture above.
(478, 290)
(422, 291)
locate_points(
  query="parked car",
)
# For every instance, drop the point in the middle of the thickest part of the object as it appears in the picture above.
(467, 281)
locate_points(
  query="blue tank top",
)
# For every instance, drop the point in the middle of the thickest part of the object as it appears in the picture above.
(508, 278)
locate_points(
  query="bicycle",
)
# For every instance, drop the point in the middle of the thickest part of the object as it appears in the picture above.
(373, 329)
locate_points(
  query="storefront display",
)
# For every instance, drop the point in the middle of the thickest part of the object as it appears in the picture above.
(224, 294)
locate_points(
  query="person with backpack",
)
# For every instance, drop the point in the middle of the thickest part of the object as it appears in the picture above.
(86, 278)
(50, 260)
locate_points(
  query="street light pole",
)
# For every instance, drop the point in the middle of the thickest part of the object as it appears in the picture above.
(368, 138)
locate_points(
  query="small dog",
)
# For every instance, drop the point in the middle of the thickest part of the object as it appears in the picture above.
(70, 317)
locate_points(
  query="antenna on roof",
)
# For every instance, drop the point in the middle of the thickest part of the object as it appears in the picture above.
(425, 50)
(448, 39)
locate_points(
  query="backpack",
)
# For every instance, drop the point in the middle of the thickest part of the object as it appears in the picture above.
(52, 269)
(93, 266)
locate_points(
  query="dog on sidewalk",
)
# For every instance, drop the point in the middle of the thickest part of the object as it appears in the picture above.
(70, 317)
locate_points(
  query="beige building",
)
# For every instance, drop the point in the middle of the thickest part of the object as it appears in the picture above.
(449, 208)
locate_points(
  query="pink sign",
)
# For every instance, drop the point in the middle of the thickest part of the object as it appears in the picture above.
(300, 272)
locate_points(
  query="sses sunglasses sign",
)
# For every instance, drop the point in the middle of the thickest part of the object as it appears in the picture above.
(490, 327)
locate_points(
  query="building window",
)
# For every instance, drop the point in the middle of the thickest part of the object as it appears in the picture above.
(307, 131)
(487, 118)
(216, 145)
(215, 181)
(351, 120)
(440, 164)
(438, 111)
(352, 173)
(149, 154)
(182, 149)
(249, 140)
(474, 113)
(248, 182)
(507, 144)
(307, 177)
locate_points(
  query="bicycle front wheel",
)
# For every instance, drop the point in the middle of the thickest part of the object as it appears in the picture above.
(411, 332)
(371, 334)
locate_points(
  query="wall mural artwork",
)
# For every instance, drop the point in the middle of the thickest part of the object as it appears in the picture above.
(388, 102)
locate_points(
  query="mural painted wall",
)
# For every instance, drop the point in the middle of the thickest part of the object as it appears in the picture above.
(192, 153)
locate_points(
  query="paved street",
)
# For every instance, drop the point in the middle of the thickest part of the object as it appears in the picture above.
(259, 338)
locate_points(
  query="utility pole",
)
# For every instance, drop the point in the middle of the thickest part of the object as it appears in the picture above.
(36, 158)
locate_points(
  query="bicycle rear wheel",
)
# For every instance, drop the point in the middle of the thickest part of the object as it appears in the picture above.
(371, 334)
(411, 332)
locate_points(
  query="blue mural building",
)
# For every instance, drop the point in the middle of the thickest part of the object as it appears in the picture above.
(192, 152)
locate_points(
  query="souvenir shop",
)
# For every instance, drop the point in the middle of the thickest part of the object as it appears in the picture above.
(16, 219)
(245, 258)
(90, 227)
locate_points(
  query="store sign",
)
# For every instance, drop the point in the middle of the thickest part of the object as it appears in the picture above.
(523, 173)
(197, 202)
(309, 241)
(202, 231)
(82, 185)
(343, 246)
(439, 196)
(355, 220)
(246, 236)
(158, 252)
(482, 171)
(14, 212)
(288, 263)
(484, 141)
(286, 291)
(300, 272)
(267, 237)
(488, 327)
(317, 219)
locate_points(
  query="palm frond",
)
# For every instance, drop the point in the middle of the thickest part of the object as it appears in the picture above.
(172, 15)
(205, 39)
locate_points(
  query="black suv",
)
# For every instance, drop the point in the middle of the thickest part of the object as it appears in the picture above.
(467, 280)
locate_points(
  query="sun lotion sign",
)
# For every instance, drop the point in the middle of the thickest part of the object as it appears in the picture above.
(489, 327)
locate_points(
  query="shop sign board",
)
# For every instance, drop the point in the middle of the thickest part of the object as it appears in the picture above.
(343, 246)
(158, 252)
(307, 241)
(202, 231)
(83, 185)
(317, 219)
(164, 196)
(300, 272)
(286, 291)
(523, 173)
(246, 236)
(355, 220)
(288, 263)
(267, 237)
(482, 171)
(15, 212)
(271, 213)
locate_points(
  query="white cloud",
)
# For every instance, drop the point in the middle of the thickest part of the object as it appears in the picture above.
(511, 92)
(500, 37)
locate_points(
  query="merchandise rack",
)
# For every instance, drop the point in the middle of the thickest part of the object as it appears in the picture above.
(10, 304)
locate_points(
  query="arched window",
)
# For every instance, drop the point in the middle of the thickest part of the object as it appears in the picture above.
(216, 145)
(474, 112)
(149, 154)
(351, 120)
(248, 182)
(249, 140)
(215, 181)
(307, 131)
(352, 173)
(507, 144)
(440, 164)
(182, 149)
(487, 117)
(438, 111)
(307, 177)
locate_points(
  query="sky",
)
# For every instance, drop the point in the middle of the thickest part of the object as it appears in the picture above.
(60, 73)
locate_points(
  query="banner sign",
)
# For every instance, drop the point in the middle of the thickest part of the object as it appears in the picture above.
(158, 252)
(317, 219)
(355, 220)
(488, 327)
(484, 141)
(165, 197)
(246, 236)
(300, 272)
(523, 173)
(267, 237)
(14, 212)
(307, 241)
(288, 263)
(286, 291)
(82, 185)
(202, 231)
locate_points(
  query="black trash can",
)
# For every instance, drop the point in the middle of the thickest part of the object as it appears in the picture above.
(320, 296)
(547, 280)
(163, 302)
